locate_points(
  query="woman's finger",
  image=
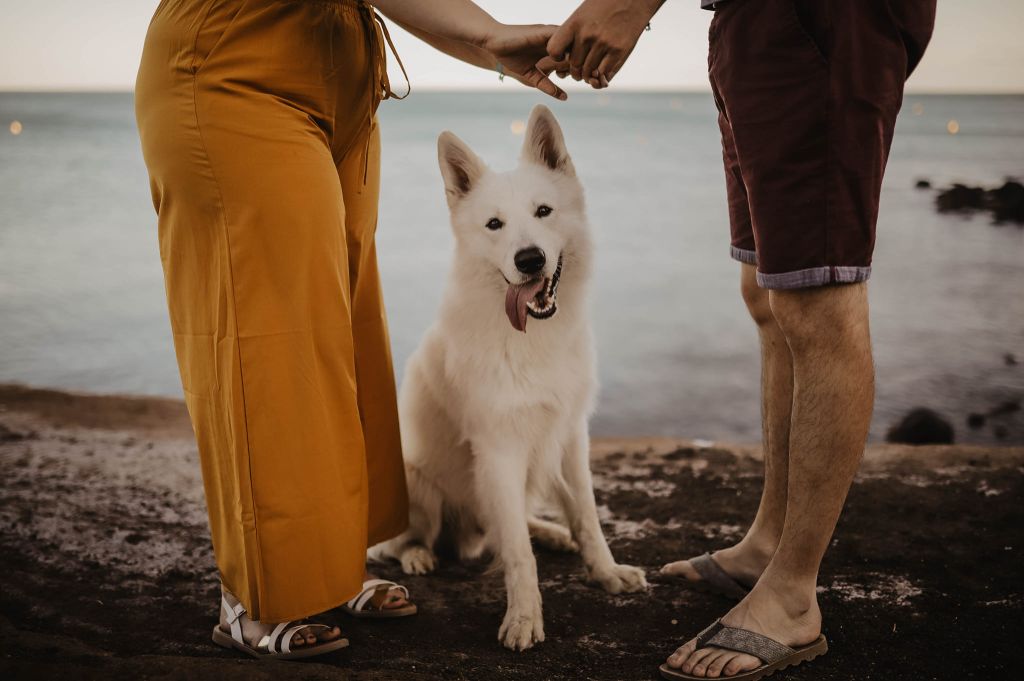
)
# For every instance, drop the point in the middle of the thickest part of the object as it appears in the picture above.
(543, 83)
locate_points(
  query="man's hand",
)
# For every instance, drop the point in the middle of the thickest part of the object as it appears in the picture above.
(599, 36)
(522, 53)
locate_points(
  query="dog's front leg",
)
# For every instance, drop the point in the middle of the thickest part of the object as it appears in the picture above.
(581, 509)
(500, 486)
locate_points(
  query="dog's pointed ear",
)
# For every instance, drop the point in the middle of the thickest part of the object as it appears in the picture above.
(460, 167)
(544, 143)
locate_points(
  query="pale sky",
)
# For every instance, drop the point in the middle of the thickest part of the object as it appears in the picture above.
(95, 45)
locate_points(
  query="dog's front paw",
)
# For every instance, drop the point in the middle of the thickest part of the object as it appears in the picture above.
(522, 628)
(417, 560)
(618, 578)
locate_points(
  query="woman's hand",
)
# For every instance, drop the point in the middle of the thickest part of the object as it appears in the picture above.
(522, 53)
(463, 30)
(599, 36)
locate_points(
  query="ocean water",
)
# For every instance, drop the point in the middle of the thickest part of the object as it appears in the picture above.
(82, 300)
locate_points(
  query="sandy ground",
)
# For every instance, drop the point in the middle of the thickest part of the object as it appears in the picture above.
(107, 571)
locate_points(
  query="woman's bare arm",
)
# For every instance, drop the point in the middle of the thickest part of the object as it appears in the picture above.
(463, 30)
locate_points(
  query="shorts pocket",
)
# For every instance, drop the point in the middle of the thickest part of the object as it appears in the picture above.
(809, 18)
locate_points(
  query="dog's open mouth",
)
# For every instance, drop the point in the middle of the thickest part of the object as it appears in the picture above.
(534, 298)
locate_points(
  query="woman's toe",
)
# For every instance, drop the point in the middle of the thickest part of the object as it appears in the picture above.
(331, 634)
(396, 599)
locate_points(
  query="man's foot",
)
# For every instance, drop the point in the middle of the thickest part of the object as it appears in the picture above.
(253, 631)
(792, 619)
(744, 563)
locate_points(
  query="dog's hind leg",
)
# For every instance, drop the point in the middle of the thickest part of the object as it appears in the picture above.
(416, 544)
(577, 496)
(552, 535)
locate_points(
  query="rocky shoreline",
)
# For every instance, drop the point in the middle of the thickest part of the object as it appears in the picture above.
(108, 573)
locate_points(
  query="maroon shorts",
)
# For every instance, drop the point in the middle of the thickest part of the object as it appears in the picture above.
(807, 93)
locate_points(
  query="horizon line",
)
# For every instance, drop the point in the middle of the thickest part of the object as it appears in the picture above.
(493, 89)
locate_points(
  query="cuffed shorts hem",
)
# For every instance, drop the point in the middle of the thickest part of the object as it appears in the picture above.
(743, 255)
(815, 276)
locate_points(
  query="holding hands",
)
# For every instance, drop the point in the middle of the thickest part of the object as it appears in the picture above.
(591, 46)
(595, 41)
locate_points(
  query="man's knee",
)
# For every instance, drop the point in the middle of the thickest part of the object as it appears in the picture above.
(827, 315)
(756, 298)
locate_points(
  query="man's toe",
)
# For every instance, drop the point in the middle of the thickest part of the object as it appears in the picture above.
(694, 661)
(717, 663)
(681, 568)
(677, 658)
(737, 664)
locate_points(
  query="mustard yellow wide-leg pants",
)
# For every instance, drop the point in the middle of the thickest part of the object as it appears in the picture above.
(258, 130)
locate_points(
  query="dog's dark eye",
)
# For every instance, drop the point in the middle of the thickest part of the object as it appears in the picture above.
(495, 223)
(543, 211)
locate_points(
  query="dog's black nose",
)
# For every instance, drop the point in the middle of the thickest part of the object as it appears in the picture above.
(530, 260)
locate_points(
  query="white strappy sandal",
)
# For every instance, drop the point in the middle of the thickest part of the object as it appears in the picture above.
(276, 644)
(357, 607)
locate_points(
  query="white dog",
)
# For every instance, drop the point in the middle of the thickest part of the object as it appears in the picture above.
(494, 420)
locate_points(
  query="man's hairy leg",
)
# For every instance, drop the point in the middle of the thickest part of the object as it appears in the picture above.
(827, 332)
(745, 561)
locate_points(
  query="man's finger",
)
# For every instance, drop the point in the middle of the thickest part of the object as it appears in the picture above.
(576, 59)
(559, 43)
(607, 67)
(615, 63)
(593, 61)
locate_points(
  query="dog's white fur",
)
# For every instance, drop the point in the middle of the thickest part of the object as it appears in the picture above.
(495, 420)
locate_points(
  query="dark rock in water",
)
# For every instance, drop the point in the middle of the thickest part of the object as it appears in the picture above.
(975, 420)
(1007, 407)
(1010, 359)
(1006, 203)
(960, 197)
(1001, 432)
(921, 426)
(923, 184)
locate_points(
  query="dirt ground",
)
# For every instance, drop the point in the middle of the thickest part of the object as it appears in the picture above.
(107, 572)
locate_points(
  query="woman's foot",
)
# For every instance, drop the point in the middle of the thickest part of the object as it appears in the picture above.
(253, 632)
(384, 598)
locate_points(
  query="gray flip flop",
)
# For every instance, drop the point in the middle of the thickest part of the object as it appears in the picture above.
(713, 579)
(773, 654)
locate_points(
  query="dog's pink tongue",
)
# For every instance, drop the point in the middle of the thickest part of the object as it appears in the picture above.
(515, 301)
